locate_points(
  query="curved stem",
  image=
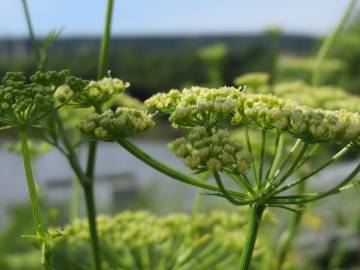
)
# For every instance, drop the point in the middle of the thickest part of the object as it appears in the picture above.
(105, 42)
(328, 43)
(224, 191)
(87, 185)
(253, 164)
(39, 226)
(270, 181)
(159, 166)
(242, 182)
(335, 157)
(338, 187)
(306, 198)
(71, 153)
(287, 239)
(251, 235)
(292, 168)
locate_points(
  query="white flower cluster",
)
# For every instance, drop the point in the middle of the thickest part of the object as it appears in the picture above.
(229, 106)
(202, 151)
(99, 92)
(313, 125)
(164, 102)
(197, 106)
(122, 123)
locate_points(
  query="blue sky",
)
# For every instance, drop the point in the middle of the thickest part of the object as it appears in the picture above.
(146, 17)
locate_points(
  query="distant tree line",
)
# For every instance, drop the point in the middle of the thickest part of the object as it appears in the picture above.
(153, 64)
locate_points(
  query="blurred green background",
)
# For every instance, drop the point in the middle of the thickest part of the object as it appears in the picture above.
(157, 62)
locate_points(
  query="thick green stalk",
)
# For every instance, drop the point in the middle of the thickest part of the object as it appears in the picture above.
(90, 169)
(91, 213)
(105, 42)
(41, 231)
(251, 235)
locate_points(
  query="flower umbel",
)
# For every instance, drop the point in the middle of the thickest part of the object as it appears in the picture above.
(197, 106)
(202, 151)
(230, 106)
(122, 123)
(23, 103)
(99, 92)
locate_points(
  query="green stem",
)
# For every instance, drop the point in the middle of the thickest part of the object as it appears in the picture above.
(334, 158)
(328, 43)
(104, 49)
(288, 158)
(253, 164)
(91, 213)
(39, 226)
(242, 182)
(306, 198)
(251, 235)
(292, 168)
(87, 185)
(75, 200)
(262, 155)
(71, 153)
(31, 31)
(279, 145)
(90, 169)
(224, 191)
(289, 235)
(287, 239)
(159, 166)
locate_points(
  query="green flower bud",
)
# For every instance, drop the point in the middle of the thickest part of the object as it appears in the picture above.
(122, 123)
(100, 132)
(63, 93)
(214, 165)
